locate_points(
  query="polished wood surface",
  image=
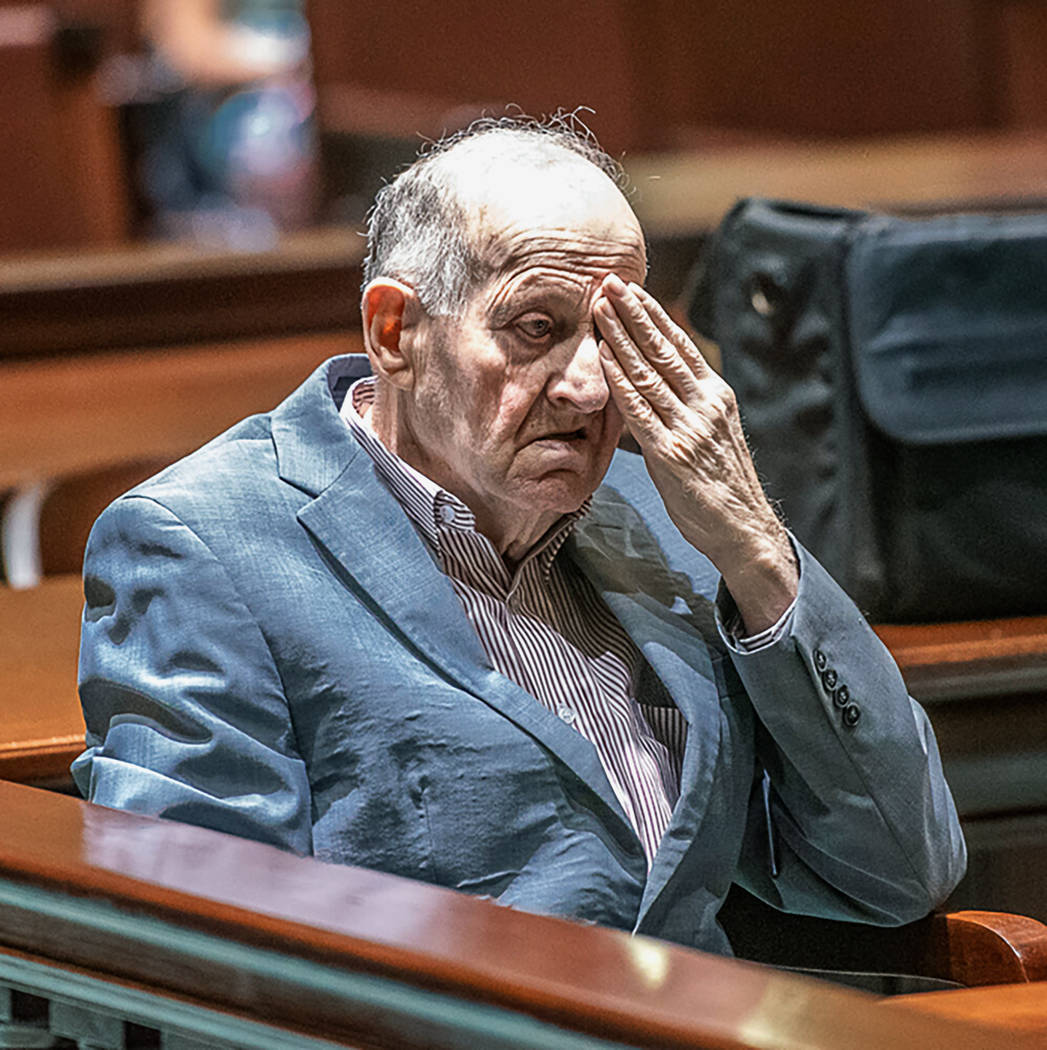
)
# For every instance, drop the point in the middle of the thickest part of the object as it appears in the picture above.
(169, 294)
(639, 991)
(980, 658)
(687, 193)
(1012, 1008)
(68, 414)
(977, 946)
(42, 729)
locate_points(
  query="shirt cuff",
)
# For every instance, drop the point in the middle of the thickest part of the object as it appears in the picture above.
(765, 639)
(729, 623)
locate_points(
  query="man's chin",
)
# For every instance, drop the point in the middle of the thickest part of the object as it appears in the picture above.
(559, 491)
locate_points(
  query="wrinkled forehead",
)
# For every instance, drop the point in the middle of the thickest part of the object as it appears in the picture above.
(545, 208)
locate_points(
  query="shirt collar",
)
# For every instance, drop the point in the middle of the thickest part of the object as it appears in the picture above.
(430, 507)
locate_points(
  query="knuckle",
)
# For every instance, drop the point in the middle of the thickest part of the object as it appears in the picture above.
(647, 381)
(637, 403)
(722, 401)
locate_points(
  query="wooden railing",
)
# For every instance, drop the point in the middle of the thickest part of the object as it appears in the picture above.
(156, 295)
(118, 919)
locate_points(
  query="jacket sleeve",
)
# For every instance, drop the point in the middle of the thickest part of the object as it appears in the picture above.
(852, 818)
(185, 711)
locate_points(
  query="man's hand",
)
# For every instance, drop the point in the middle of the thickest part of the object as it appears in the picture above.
(685, 419)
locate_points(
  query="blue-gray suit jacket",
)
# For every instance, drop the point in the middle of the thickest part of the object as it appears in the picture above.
(269, 649)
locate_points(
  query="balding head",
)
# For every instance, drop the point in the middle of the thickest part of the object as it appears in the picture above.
(437, 226)
(487, 256)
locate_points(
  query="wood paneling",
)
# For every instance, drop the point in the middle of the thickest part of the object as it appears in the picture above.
(42, 730)
(467, 53)
(658, 73)
(163, 294)
(31, 161)
(1021, 61)
(68, 415)
(806, 68)
(60, 164)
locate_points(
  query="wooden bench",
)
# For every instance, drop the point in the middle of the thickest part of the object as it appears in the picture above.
(42, 730)
(687, 192)
(109, 919)
(133, 355)
(70, 413)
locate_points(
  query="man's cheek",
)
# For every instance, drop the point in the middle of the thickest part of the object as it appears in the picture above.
(514, 406)
(612, 420)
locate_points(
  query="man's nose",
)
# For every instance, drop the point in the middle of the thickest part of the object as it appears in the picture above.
(580, 383)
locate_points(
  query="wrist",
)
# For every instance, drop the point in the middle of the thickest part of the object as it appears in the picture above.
(763, 579)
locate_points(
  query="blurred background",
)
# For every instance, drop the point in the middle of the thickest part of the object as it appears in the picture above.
(182, 187)
(224, 121)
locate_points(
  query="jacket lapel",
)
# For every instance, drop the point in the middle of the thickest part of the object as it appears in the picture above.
(676, 632)
(350, 509)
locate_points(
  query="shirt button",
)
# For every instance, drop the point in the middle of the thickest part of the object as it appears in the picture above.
(566, 713)
(446, 514)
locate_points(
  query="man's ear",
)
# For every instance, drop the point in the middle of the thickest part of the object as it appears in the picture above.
(391, 313)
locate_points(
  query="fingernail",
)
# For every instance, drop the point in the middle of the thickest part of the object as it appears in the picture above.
(614, 283)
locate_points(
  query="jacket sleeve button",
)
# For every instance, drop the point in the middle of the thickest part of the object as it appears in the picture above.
(829, 679)
(842, 696)
(851, 715)
(821, 661)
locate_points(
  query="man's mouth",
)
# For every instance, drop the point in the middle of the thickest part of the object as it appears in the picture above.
(565, 435)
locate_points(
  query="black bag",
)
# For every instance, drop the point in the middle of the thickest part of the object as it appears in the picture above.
(892, 377)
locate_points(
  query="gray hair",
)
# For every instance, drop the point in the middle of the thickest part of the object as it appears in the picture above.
(417, 230)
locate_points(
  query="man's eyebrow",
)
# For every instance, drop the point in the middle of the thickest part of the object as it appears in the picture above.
(529, 295)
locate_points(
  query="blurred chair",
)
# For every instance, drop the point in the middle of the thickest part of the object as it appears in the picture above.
(44, 524)
(43, 531)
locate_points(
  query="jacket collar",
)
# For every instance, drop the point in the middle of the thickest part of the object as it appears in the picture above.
(313, 444)
(349, 508)
(613, 545)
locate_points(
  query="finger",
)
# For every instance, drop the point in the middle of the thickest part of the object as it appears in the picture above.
(655, 344)
(642, 420)
(673, 332)
(647, 363)
(640, 372)
(637, 321)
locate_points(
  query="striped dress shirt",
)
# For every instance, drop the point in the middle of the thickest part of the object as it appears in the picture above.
(543, 626)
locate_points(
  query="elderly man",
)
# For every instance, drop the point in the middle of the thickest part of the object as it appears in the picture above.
(399, 622)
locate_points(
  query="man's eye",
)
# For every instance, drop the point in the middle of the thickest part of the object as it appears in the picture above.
(535, 327)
